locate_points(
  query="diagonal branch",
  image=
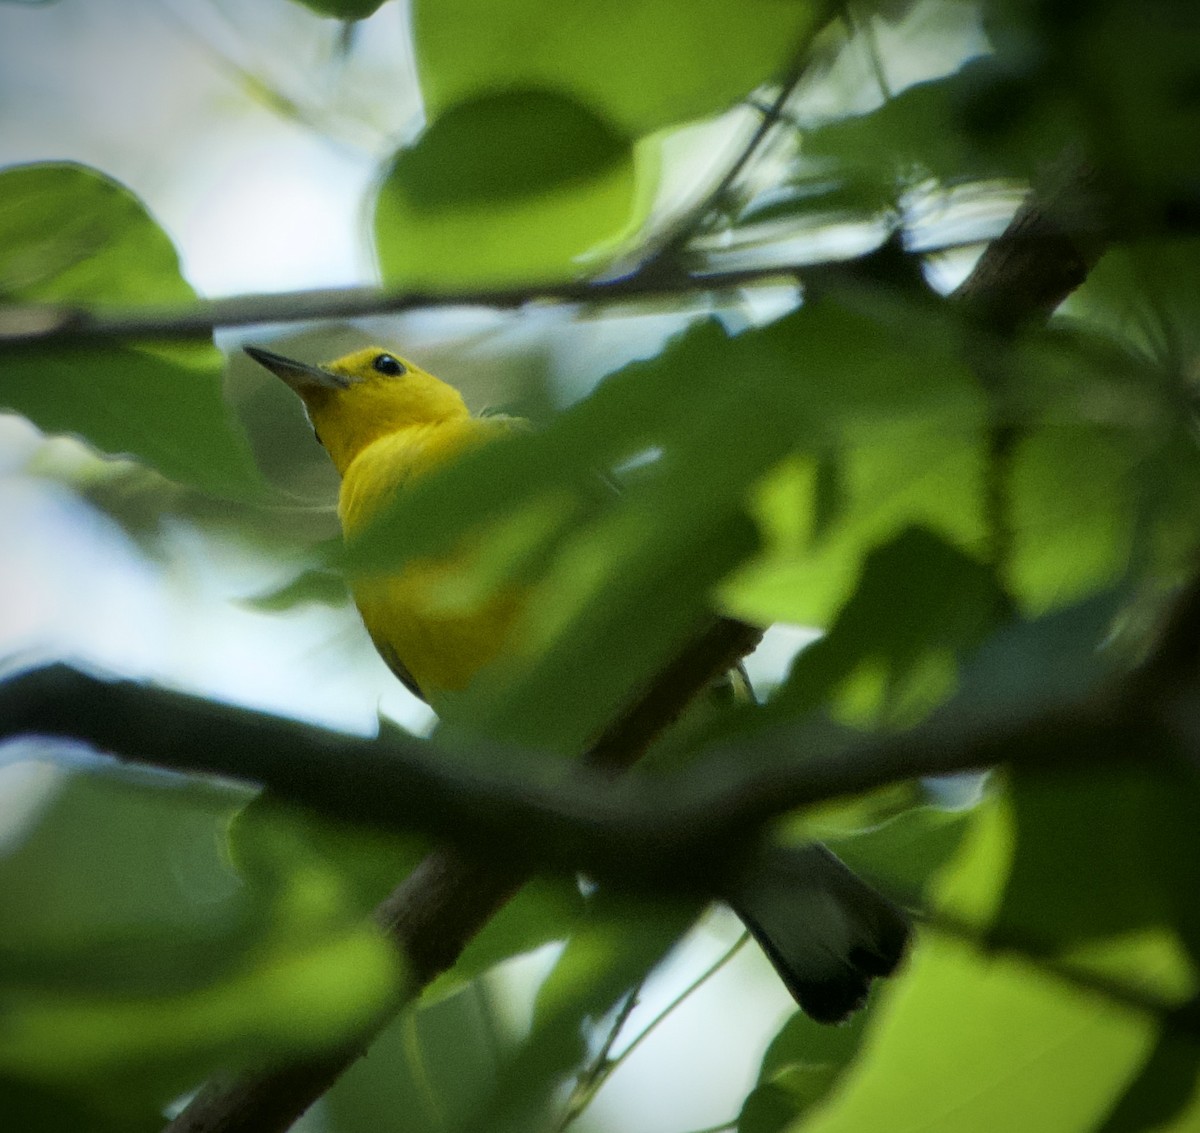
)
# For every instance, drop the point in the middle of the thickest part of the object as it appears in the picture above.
(446, 900)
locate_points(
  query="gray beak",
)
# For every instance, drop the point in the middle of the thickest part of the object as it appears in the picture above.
(299, 375)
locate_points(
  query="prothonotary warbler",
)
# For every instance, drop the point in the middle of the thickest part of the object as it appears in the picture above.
(385, 422)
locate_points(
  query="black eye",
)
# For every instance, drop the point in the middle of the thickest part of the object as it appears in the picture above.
(386, 364)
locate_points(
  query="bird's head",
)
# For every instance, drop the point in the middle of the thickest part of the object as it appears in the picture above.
(363, 396)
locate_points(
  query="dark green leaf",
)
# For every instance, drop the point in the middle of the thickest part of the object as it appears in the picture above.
(1115, 854)
(1158, 1098)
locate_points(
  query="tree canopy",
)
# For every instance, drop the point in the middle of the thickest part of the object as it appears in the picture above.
(926, 282)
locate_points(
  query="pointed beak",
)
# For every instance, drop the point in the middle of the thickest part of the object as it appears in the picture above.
(299, 375)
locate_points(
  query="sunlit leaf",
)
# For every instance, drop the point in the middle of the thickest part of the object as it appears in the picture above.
(643, 63)
(508, 187)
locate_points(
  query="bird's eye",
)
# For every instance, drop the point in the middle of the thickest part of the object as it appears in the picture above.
(386, 364)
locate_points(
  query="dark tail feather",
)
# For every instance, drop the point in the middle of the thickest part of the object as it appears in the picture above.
(827, 932)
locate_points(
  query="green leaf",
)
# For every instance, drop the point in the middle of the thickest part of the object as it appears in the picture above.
(161, 408)
(1158, 1098)
(311, 868)
(904, 854)
(1116, 853)
(543, 911)
(1072, 490)
(120, 886)
(905, 475)
(70, 235)
(132, 963)
(316, 586)
(899, 659)
(512, 186)
(644, 64)
(429, 1069)
(802, 1065)
(987, 1041)
(612, 949)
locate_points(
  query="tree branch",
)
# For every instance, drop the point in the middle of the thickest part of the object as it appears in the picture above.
(438, 908)
(432, 914)
(1029, 249)
(676, 831)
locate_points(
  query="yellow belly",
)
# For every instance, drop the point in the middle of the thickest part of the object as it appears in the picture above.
(419, 628)
(422, 626)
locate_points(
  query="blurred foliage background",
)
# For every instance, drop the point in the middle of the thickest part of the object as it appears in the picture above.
(932, 515)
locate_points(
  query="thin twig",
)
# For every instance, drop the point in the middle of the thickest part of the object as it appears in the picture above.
(665, 257)
(682, 997)
(588, 1082)
(605, 1067)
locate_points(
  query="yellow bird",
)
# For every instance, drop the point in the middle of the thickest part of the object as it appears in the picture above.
(386, 422)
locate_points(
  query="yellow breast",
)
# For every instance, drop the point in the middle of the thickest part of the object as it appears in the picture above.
(421, 624)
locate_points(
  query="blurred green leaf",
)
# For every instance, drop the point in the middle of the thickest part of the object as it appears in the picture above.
(1120, 77)
(70, 235)
(304, 864)
(543, 911)
(988, 1041)
(892, 652)
(510, 186)
(1159, 1097)
(906, 475)
(133, 963)
(1115, 854)
(611, 950)
(644, 64)
(1147, 294)
(315, 586)
(1073, 507)
(802, 1065)
(904, 854)
(914, 135)
(121, 887)
(429, 1069)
